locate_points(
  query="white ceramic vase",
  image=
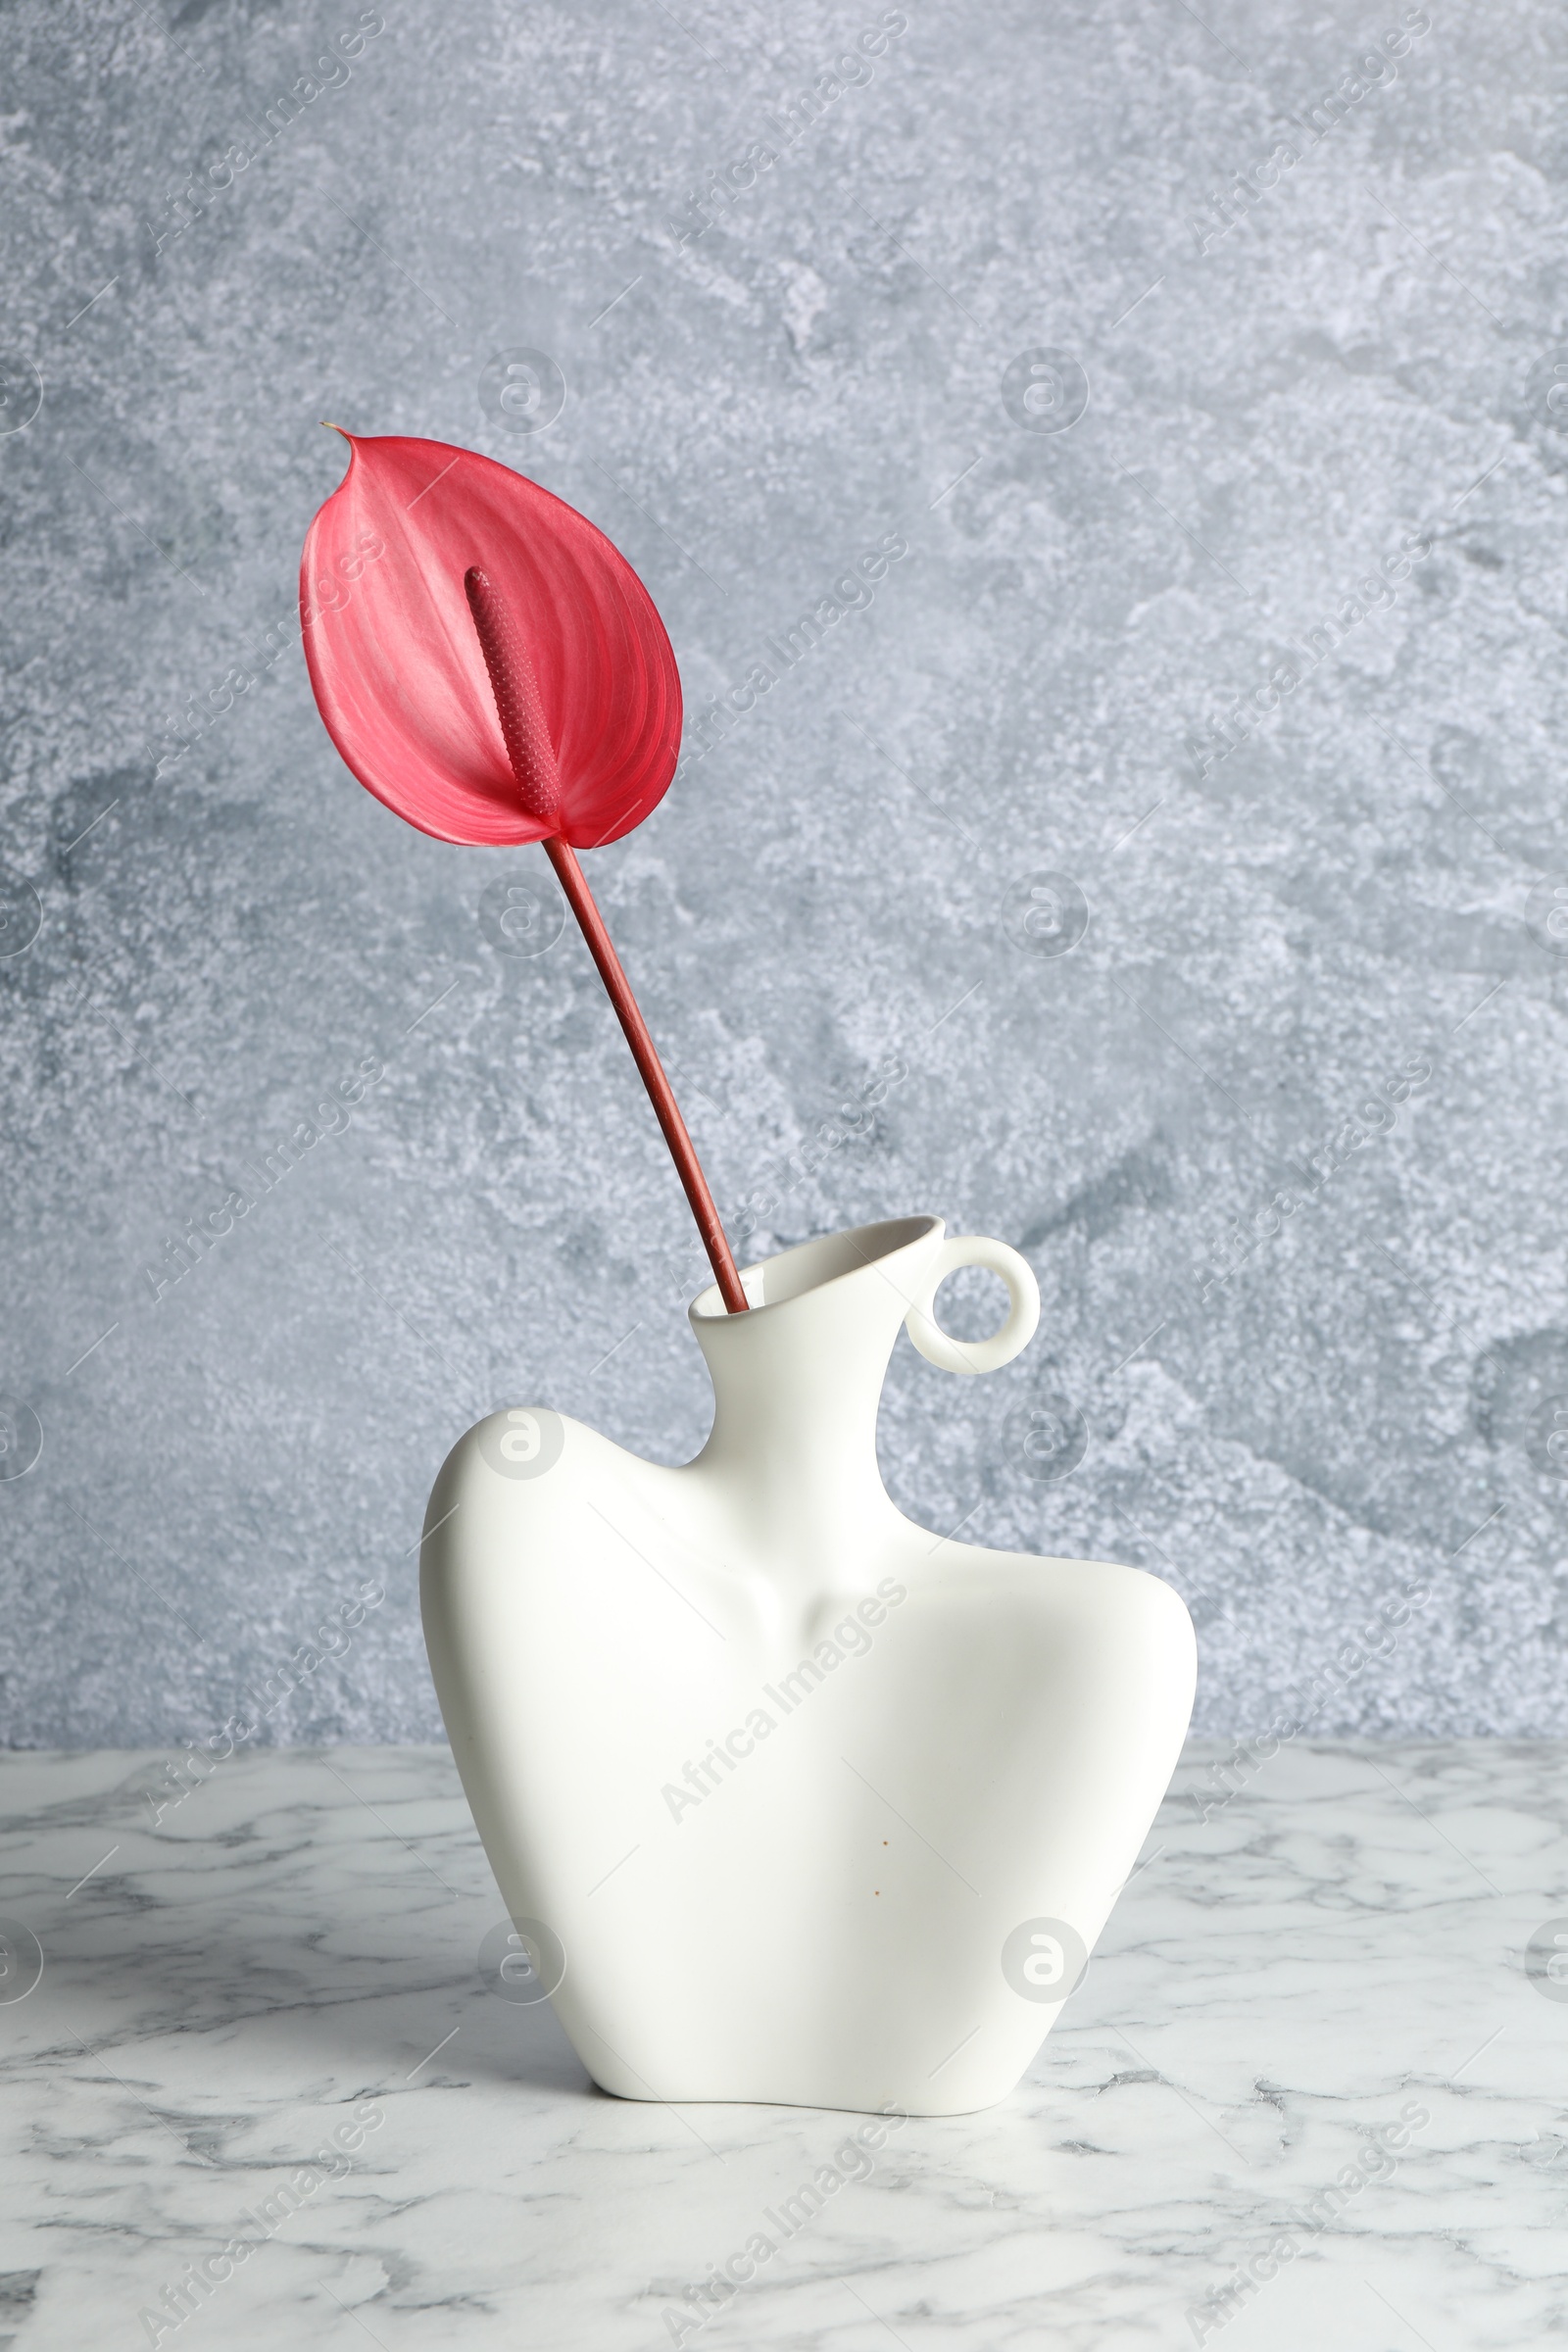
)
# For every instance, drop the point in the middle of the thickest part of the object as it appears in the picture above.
(789, 1798)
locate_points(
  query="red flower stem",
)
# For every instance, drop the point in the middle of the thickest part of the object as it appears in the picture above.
(580, 899)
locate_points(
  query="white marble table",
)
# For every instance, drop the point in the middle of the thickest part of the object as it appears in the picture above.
(1343, 1941)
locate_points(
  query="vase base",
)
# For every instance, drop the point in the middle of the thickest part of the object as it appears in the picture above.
(820, 2103)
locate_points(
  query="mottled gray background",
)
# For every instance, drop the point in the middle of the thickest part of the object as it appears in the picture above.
(1364, 359)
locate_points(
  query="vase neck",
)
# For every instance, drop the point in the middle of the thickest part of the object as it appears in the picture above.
(798, 1378)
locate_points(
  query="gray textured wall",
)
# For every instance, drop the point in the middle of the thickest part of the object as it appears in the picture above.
(1311, 870)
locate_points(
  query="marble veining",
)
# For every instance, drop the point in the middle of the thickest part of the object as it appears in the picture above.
(261, 2026)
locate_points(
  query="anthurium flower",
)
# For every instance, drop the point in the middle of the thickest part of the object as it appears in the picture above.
(492, 668)
(401, 676)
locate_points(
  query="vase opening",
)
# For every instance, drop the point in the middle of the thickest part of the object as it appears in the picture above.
(814, 1265)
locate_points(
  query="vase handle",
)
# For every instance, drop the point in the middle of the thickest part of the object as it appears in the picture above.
(1011, 1335)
